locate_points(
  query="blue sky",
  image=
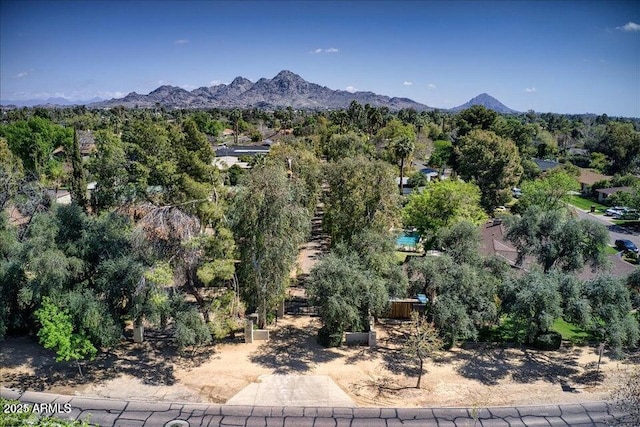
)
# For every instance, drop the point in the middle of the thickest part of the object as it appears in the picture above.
(559, 56)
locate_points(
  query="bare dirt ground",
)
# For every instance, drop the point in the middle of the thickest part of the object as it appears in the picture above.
(477, 375)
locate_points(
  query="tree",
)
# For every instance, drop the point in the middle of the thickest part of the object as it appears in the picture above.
(443, 204)
(548, 192)
(534, 302)
(268, 228)
(492, 162)
(362, 195)
(621, 144)
(475, 117)
(461, 290)
(402, 148)
(57, 334)
(346, 294)
(461, 241)
(442, 154)
(340, 146)
(610, 308)
(11, 174)
(78, 184)
(422, 341)
(108, 165)
(305, 169)
(558, 241)
(633, 283)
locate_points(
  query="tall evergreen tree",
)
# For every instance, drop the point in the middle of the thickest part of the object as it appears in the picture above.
(78, 184)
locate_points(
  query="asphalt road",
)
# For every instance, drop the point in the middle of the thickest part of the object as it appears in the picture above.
(109, 412)
(615, 232)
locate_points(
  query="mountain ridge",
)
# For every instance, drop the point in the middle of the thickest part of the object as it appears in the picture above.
(285, 89)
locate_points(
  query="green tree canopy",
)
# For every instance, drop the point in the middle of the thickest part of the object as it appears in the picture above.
(443, 204)
(362, 194)
(548, 192)
(340, 146)
(492, 162)
(558, 241)
(534, 302)
(57, 334)
(268, 228)
(475, 117)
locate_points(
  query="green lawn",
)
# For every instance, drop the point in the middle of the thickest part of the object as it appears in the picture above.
(402, 256)
(508, 332)
(585, 204)
(570, 332)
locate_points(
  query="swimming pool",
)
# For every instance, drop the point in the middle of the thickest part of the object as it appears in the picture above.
(408, 239)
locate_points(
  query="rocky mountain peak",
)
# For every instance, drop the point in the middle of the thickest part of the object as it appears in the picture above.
(487, 101)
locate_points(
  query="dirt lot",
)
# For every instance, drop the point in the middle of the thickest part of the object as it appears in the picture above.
(478, 375)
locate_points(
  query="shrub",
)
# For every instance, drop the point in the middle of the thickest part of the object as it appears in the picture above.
(547, 341)
(329, 339)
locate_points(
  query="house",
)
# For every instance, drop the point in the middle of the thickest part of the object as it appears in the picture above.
(241, 150)
(494, 243)
(87, 143)
(604, 193)
(589, 177)
(430, 173)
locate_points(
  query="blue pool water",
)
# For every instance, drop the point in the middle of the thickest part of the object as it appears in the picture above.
(407, 239)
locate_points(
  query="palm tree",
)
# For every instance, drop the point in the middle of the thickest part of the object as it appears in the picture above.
(402, 148)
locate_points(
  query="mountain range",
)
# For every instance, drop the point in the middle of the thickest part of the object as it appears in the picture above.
(286, 89)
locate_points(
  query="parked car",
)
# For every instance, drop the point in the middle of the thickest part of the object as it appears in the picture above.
(627, 214)
(516, 192)
(614, 210)
(626, 245)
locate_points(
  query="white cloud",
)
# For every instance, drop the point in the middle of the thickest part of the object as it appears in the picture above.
(351, 89)
(214, 82)
(187, 87)
(629, 27)
(21, 75)
(329, 50)
(407, 83)
(431, 86)
(181, 41)
(530, 89)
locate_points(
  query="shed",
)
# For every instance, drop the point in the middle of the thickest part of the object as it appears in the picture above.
(402, 308)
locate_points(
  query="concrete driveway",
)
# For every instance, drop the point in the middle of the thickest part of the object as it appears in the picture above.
(293, 390)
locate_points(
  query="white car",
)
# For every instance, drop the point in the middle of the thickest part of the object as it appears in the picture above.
(614, 210)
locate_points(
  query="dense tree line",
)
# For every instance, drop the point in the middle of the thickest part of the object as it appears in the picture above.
(163, 222)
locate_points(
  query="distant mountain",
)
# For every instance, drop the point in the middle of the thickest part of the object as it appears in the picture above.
(64, 102)
(486, 101)
(286, 89)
